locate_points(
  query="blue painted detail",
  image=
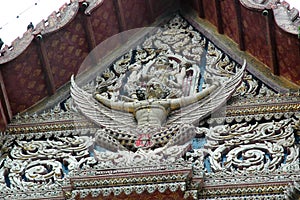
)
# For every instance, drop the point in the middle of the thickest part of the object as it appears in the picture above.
(224, 159)
(240, 157)
(7, 181)
(198, 143)
(202, 67)
(297, 139)
(285, 156)
(64, 169)
(268, 156)
(100, 149)
(207, 164)
(91, 153)
(24, 177)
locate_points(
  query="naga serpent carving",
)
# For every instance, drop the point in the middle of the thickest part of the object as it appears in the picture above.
(153, 114)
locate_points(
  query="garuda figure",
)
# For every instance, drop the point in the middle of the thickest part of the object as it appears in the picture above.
(160, 106)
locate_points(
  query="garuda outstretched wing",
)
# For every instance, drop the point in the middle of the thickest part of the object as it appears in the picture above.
(195, 112)
(98, 113)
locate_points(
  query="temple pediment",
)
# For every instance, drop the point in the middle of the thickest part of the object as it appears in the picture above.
(171, 116)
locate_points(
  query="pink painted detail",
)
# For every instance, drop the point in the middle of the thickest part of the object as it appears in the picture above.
(144, 141)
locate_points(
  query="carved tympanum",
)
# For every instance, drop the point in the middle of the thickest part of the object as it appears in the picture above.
(140, 105)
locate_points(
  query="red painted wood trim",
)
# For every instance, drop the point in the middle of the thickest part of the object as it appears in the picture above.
(3, 120)
(272, 42)
(46, 66)
(6, 112)
(201, 13)
(89, 31)
(120, 15)
(151, 11)
(219, 16)
(239, 25)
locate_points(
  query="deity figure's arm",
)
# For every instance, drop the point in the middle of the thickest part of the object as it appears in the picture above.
(185, 101)
(121, 105)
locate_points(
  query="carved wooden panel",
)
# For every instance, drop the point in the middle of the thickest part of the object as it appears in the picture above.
(82, 148)
(167, 195)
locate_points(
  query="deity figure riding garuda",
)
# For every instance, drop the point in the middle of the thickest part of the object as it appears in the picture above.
(154, 104)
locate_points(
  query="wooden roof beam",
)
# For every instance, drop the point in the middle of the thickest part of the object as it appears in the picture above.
(46, 65)
(5, 109)
(268, 13)
(88, 28)
(239, 25)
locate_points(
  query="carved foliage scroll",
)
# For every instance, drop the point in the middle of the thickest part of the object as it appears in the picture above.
(248, 148)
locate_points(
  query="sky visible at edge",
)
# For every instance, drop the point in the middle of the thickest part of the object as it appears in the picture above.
(15, 15)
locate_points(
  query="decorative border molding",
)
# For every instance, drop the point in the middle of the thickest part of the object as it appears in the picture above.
(252, 110)
(256, 190)
(59, 19)
(286, 18)
(139, 189)
(55, 21)
(258, 4)
(92, 5)
(249, 117)
(17, 47)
